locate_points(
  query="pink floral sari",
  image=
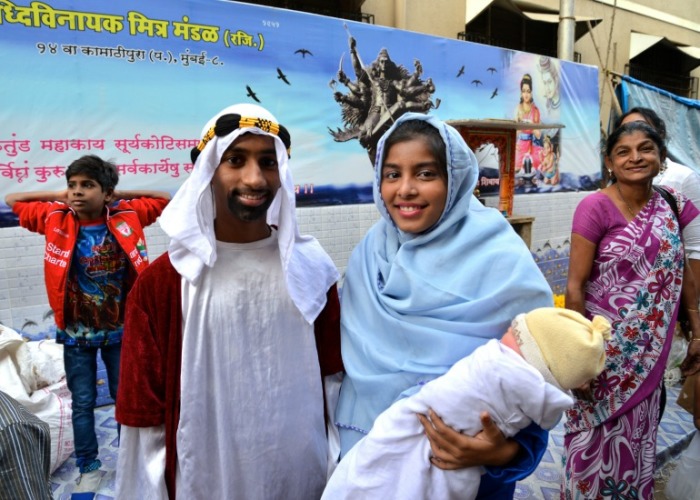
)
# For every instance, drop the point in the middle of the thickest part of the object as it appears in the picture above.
(610, 443)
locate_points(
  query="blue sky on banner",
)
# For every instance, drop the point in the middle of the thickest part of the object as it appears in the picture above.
(135, 81)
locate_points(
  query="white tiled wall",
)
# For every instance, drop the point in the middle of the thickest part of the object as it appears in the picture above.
(553, 213)
(23, 297)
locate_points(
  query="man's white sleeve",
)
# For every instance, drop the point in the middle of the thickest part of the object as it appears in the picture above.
(141, 463)
(691, 232)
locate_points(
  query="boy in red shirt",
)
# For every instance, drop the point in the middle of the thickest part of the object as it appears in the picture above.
(95, 248)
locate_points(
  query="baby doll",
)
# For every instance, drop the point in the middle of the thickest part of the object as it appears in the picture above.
(522, 378)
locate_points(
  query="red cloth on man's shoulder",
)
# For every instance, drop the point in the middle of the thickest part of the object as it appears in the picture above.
(149, 374)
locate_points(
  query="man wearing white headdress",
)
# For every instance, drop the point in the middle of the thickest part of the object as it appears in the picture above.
(229, 333)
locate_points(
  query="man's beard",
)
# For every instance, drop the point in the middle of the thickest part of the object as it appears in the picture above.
(246, 213)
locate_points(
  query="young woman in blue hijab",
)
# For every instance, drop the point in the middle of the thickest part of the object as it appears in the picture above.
(436, 277)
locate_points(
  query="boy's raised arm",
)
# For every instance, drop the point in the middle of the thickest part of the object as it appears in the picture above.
(13, 198)
(139, 193)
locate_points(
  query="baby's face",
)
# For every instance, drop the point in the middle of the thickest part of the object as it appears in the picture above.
(508, 340)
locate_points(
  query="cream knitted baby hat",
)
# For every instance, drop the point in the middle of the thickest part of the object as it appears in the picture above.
(565, 347)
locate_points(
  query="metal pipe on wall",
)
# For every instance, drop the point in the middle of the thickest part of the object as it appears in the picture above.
(567, 28)
(400, 14)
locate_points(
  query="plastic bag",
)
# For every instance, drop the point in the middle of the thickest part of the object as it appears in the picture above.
(684, 484)
(32, 373)
(679, 349)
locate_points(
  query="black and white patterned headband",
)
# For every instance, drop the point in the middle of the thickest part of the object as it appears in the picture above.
(226, 124)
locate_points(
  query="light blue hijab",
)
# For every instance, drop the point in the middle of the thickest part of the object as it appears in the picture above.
(414, 304)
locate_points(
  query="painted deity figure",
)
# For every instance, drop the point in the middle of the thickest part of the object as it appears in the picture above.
(528, 143)
(549, 71)
(549, 164)
(381, 92)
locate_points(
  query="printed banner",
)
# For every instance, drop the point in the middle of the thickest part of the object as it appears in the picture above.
(134, 82)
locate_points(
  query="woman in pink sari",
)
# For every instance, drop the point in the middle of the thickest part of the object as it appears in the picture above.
(626, 264)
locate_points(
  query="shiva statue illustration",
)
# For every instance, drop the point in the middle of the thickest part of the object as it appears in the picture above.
(379, 94)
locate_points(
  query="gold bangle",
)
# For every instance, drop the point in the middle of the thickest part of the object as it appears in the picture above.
(691, 310)
(693, 339)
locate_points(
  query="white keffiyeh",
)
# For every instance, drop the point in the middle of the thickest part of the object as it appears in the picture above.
(189, 221)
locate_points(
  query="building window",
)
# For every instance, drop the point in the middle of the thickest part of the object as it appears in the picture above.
(664, 66)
